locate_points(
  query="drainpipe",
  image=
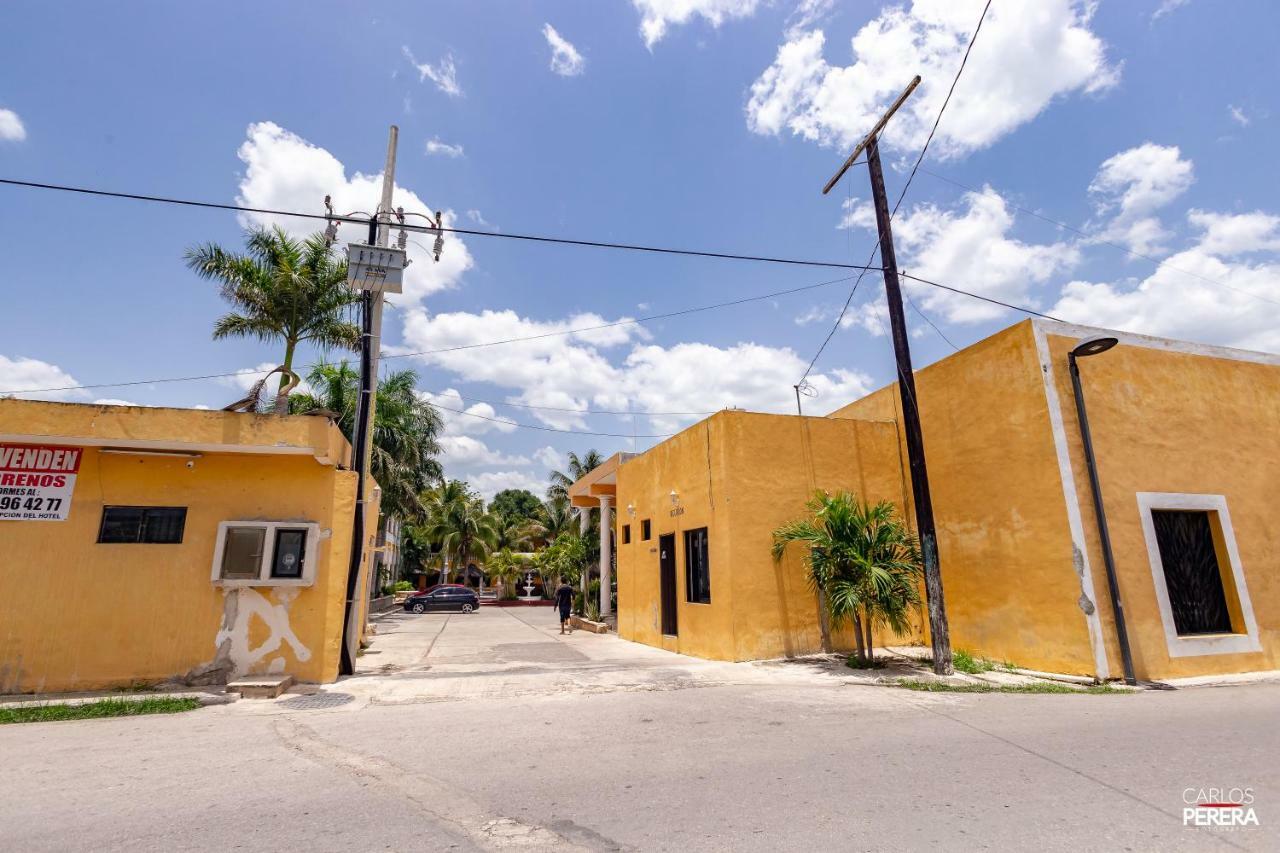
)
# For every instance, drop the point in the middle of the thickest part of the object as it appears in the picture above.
(1093, 346)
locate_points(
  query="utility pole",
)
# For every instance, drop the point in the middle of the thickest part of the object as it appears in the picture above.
(371, 303)
(939, 632)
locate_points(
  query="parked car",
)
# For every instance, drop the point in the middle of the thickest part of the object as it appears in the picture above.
(443, 597)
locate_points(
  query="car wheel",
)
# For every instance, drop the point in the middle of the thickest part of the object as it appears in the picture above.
(467, 608)
(419, 607)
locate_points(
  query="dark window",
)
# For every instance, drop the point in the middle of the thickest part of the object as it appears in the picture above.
(626, 534)
(697, 572)
(644, 530)
(291, 550)
(1191, 571)
(154, 525)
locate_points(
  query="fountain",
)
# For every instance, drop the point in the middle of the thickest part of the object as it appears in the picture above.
(528, 588)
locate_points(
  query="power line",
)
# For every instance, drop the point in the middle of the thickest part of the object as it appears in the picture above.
(1081, 233)
(578, 330)
(634, 247)
(915, 168)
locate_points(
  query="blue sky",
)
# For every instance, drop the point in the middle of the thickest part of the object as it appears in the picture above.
(1148, 126)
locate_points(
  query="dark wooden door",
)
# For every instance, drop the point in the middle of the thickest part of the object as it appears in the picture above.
(667, 571)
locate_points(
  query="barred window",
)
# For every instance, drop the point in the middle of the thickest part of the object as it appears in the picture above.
(151, 525)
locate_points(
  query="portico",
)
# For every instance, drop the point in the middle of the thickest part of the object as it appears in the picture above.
(599, 489)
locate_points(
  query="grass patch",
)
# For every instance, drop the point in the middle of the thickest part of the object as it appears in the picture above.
(94, 710)
(1034, 687)
(965, 661)
(855, 662)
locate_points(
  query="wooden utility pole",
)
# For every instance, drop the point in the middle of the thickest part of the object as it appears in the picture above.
(939, 632)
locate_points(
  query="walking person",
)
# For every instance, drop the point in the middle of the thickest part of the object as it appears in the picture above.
(564, 601)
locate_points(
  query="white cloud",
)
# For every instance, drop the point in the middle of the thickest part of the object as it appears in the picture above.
(479, 418)
(283, 171)
(1134, 184)
(1166, 7)
(1238, 116)
(444, 74)
(468, 452)
(657, 15)
(436, 146)
(550, 458)
(112, 401)
(565, 59)
(489, 483)
(478, 218)
(1028, 53)
(968, 248)
(11, 127)
(615, 369)
(19, 377)
(1175, 301)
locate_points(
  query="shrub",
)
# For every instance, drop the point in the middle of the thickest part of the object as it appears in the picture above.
(402, 586)
(965, 661)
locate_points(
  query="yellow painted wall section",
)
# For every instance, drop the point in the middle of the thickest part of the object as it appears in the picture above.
(1009, 575)
(1177, 422)
(690, 463)
(741, 475)
(75, 614)
(774, 465)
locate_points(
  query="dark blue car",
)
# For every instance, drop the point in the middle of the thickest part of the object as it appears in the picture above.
(460, 599)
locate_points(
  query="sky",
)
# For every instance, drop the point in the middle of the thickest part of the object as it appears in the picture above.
(1098, 162)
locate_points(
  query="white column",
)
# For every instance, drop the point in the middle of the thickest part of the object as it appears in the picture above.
(606, 555)
(584, 524)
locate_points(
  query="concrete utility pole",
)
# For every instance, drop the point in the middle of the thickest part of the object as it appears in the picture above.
(370, 344)
(939, 631)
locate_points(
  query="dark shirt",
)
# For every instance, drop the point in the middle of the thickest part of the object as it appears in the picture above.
(564, 596)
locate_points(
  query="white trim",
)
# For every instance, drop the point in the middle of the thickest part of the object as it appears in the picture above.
(1071, 501)
(310, 557)
(1072, 330)
(1204, 644)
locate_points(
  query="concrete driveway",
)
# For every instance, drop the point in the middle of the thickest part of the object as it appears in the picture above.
(519, 651)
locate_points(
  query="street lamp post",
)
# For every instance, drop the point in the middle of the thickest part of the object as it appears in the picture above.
(1084, 349)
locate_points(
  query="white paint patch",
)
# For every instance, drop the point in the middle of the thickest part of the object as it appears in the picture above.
(250, 603)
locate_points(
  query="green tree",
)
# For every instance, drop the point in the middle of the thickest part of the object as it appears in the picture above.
(552, 519)
(283, 289)
(515, 505)
(862, 560)
(578, 468)
(457, 525)
(406, 429)
(507, 568)
(565, 559)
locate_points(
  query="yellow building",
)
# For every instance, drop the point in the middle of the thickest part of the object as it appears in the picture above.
(145, 545)
(1187, 446)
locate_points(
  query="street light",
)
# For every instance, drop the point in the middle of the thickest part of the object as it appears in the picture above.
(1084, 349)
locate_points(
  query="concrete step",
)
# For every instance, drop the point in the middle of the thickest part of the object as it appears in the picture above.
(260, 686)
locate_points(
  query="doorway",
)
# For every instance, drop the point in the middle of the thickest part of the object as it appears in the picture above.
(667, 576)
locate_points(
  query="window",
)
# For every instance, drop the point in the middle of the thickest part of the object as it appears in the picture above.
(644, 530)
(626, 534)
(1197, 573)
(266, 553)
(1191, 571)
(152, 525)
(697, 571)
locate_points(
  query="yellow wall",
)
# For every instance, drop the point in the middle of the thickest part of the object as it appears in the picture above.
(1169, 421)
(741, 475)
(75, 614)
(1009, 578)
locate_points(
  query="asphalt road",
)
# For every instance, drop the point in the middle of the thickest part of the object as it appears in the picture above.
(643, 753)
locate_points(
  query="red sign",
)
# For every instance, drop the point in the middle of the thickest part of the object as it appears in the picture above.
(37, 481)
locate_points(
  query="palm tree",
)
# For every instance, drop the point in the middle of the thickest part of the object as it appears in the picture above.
(405, 431)
(863, 562)
(457, 523)
(552, 519)
(506, 567)
(283, 289)
(578, 468)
